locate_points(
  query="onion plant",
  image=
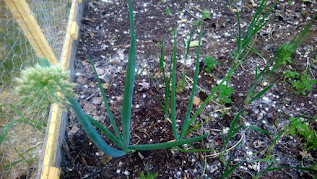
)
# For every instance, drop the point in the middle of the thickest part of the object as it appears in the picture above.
(122, 140)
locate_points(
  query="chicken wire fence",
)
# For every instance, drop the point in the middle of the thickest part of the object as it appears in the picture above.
(22, 132)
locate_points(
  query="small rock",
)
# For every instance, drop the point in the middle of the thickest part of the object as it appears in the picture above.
(144, 86)
(140, 155)
(82, 80)
(266, 100)
(73, 130)
(106, 159)
(213, 167)
(225, 130)
(196, 101)
(260, 115)
(120, 164)
(105, 85)
(257, 144)
(126, 173)
(254, 166)
(97, 100)
(100, 71)
(88, 107)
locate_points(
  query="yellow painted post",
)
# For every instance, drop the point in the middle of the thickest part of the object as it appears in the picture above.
(71, 29)
(54, 173)
(52, 140)
(74, 31)
(23, 15)
(48, 170)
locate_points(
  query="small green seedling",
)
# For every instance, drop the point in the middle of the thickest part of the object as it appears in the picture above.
(210, 63)
(206, 14)
(299, 127)
(224, 94)
(148, 175)
(196, 22)
(285, 52)
(181, 85)
(168, 12)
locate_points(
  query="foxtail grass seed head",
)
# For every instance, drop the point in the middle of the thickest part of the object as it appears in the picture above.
(38, 87)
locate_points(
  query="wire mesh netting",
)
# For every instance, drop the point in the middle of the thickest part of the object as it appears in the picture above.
(22, 131)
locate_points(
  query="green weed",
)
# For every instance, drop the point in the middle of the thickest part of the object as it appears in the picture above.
(285, 51)
(206, 14)
(168, 12)
(301, 83)
(299, 127)
(210, 63)
(148, 174)
(291, 74)
(304, 84)
(224, 94)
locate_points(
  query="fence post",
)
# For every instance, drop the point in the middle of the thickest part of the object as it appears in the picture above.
(48, 170)
(24, 16)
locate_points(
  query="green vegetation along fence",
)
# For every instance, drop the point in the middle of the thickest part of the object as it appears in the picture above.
(29, 30)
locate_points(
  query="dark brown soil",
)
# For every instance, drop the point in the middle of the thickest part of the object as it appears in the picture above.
(105, 36)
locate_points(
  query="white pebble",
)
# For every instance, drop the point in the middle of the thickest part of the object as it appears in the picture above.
(225, 130)
(126, 173)
(249, 153)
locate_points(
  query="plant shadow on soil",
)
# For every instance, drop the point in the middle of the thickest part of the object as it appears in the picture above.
(105, 36)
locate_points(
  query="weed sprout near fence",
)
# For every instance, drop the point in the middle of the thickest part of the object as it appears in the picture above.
(29, 30)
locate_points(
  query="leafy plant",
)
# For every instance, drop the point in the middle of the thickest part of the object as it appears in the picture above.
(167, 83)
(206, 14)
(299, 127)
(286, 50)
(196, 22)
(224, 94)
(271, 167)
(304, 84)
(291, 74)
(168, 11)
(181, 85)
(210, 63)
(148, 175)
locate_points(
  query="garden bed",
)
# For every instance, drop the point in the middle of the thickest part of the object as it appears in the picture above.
(106, 38)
